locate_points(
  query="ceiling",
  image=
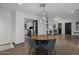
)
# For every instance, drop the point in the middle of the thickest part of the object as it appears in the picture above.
(54, 9)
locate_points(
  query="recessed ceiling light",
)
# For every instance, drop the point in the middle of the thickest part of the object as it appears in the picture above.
(20, 3)
(72, 11)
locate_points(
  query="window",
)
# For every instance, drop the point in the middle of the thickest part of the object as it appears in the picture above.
(77, 25)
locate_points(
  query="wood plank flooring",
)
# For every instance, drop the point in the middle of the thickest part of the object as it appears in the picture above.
(65, 45)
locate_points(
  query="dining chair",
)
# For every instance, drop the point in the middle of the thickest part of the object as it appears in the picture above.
(31, 44)
(4, 53)
(50, 46)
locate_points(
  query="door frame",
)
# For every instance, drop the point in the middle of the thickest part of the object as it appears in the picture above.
(61, 28)
(71, 28)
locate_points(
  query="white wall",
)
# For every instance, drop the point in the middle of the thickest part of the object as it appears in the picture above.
(63, 21)
(6, 29)
(12, 25)
(19, 30)
(74, 27)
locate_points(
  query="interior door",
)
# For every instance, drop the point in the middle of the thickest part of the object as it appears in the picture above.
(68, 28)
(59, 28)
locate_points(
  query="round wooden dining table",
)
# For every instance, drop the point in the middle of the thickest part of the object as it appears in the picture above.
(43, 37)
(42, 40)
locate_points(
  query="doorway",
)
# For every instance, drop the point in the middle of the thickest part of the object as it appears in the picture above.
(35, 27)
(59, 28)
(68, 28)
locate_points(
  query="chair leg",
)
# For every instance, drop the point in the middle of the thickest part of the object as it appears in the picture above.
(29, 50)
(54, 51)
(49, 52)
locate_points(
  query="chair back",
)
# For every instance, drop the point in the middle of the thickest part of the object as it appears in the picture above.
(30, 42)
(51, 44)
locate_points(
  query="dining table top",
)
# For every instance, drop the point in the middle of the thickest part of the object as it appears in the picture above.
(43, 37)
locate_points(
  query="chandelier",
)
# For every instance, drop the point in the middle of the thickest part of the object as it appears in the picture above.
(42, 5)
(44, 15)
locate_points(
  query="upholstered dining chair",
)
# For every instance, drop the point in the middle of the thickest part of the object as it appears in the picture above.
(31, 44)
(4, 53)
(50, 46)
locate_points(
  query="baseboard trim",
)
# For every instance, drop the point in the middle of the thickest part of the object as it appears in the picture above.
(19, 44)
(15, 45)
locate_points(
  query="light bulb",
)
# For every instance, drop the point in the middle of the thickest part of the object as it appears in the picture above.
(43, 17)
(40, 21)
(43, 13)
